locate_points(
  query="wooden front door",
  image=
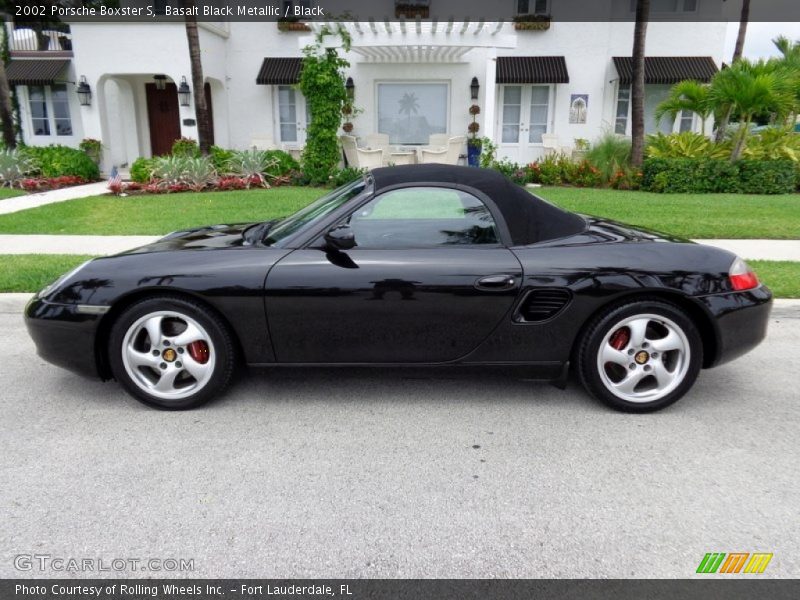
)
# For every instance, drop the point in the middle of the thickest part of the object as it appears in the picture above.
(162, 112)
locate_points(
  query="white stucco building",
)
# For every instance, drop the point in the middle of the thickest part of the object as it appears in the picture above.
(411, 78)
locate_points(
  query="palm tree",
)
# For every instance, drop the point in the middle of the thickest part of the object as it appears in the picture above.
(789, 67)
(747, 89)
(738, 50)
(637, 85)
(204, 132)
(687, 95)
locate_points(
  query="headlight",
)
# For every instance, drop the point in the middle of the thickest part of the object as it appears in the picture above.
(55, 285)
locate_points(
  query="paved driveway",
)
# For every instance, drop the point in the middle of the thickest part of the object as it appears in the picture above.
(403, 473)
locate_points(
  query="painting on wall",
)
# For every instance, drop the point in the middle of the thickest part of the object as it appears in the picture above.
(578, 105)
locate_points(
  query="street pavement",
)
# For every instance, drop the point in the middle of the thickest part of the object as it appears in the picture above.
(402, 473)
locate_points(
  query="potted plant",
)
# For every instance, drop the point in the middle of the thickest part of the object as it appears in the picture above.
(581, 148)
(93, 148)
(474, 143)
(292, 24)
(532, 22)
(349, 112)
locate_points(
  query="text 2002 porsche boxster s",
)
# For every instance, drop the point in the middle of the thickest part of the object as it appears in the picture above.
(413, 265)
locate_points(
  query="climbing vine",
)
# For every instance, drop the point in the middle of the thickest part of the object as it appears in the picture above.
(323, 86)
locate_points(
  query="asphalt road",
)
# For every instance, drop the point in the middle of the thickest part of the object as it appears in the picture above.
(397, 473)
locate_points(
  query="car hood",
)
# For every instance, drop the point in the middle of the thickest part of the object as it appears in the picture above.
(198, 238)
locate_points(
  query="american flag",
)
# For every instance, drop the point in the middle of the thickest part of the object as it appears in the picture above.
(116, 178)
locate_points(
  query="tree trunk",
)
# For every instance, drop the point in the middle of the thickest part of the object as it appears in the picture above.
(6, 110)
(198, 84)
(637, 87)
(738, 49)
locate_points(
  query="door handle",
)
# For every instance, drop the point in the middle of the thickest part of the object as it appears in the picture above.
(496, 283)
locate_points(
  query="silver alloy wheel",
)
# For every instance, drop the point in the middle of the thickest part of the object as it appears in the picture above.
(643, 358)
(168, 355)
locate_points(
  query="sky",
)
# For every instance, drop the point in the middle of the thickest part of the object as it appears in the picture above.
(758, 42)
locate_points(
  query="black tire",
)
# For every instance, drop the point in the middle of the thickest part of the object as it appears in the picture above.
(220, 346)
(606, 323)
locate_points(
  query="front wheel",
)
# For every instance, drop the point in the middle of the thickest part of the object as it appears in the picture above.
(171, 353)
(640, 356)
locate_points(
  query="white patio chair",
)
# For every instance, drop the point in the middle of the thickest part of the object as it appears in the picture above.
(438, 140)
(377, 140)
(432, 155)
(369, 159)
(454, 147)
(349, 146)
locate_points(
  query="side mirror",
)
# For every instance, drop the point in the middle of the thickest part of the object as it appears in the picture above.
(340, 237)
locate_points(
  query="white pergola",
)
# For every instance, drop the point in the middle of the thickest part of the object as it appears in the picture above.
(432, 42)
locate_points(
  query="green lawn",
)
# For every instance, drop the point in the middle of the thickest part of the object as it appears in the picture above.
(158, 214)
(31, 272)
(687, 215)
(726, 216)
(9, 193)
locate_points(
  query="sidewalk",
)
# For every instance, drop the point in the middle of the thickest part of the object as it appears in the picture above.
(111, 244)
(11, 205)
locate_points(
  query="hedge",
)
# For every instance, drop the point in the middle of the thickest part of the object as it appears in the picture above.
(62, 161)
(689, 175)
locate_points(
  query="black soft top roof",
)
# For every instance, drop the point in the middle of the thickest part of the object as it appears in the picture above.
(529, 219)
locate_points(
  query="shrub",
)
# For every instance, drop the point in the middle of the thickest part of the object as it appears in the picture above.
(142, 169)
(220, 157)
(55, 161)
(252, 165)
(14, 166)
(687, 144)
(186, 147)
(506, 167)
(685, 175)
(609, 155)
(284, 163)
(199, 172)
(773, 143)
(586, 174)
(488, 152)
(169, 170)
(346, 175)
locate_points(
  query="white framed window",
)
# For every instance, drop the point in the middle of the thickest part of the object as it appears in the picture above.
(669, 6)
(623, 109)
(525, 113)
(686, 121)
(49, 110)
(410, 112)
(533, 7)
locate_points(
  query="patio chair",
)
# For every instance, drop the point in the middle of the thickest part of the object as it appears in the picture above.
(349, 146)
(377, 140)
(369, 159)
(454, 147)
(433, 155)
(438, 140)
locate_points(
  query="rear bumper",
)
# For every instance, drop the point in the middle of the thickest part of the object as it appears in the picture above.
(63, 336)
(740, 320)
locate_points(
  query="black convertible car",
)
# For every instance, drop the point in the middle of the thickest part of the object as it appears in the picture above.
(413, 265)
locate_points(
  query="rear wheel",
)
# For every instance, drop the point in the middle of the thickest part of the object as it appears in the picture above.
(171, 353)
(640, 356)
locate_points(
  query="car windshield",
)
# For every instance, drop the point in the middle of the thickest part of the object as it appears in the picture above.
(304, 218)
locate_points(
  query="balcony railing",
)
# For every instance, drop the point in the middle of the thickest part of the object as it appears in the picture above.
(27, 38)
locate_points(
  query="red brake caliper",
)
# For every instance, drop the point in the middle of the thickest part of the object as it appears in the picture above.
(620, 338)
(199, 351)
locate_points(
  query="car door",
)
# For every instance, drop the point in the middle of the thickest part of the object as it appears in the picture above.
(428, 280)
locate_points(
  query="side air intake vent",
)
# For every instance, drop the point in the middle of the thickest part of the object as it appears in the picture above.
(540, 305)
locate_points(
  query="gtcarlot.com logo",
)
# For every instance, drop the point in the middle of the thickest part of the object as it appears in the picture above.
(48, 562)
(734, 562)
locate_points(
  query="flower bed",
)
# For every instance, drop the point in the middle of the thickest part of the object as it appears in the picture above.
(45, 184)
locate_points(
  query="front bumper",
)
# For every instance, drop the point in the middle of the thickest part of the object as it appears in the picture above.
(740, 320)
(63, 335)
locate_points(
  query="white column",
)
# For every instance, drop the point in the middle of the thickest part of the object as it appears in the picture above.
(489, 87)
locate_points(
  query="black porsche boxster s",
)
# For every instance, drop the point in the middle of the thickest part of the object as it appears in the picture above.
(412, 265)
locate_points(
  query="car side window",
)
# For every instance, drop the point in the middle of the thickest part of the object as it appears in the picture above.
(420, 217)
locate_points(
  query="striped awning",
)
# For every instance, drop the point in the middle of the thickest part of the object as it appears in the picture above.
(34, 71)
(668, 69)
(532, 69)
(279, 71)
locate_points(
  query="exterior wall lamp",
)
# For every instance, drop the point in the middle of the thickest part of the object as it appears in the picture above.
(84, 92)
(475, 88)
(184, 91)
(161, 82)
(350, 87)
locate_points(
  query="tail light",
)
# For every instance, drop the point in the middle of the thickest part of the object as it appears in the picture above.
(741, 276)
